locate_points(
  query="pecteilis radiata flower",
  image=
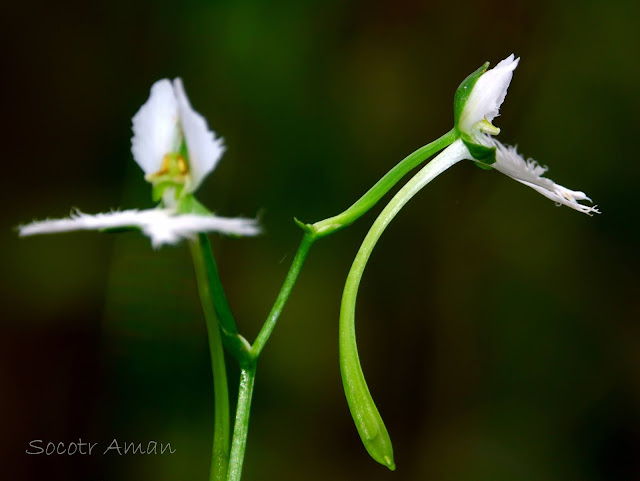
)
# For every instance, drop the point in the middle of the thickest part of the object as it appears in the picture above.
(175, 149)
(477, 102)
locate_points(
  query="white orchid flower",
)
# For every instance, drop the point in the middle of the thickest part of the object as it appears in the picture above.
(174, 147)
(171, 142)
(486, 97)
(477, 103)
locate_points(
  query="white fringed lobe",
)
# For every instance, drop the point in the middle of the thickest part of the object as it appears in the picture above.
(530, 173)
(162, 226)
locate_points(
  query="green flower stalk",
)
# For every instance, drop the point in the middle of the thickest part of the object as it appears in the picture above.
(476, 104)
(176, 150)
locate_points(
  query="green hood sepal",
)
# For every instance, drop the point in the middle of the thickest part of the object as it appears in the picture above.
(464, 90)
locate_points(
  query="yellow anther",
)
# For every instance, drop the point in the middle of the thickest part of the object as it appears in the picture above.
(182, 165)
(174, 168)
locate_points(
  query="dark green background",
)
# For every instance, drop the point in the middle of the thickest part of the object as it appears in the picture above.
(499, 333)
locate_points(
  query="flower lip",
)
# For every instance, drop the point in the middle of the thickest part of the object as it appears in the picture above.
(487, 94)
(162, 226)
(530, 173)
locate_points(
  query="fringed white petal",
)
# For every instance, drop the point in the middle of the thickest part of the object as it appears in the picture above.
(203, 147)
(529, 172)
(162, 226)
(156, 130)
(174, 228)
(488, 94)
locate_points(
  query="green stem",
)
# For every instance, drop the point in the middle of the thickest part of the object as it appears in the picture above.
(241, 428)
(221, 448)
(363, 410)
(335, 223)
(237, 345)
(375, 193)
(248, 369)
(283, 295)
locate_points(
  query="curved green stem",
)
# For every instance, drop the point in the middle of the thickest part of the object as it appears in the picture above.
(233, 341)
(332, 224)
(247, 355)
(283, 295)
(241, 428)
(365, 414)
(221, 448)
(375, 193)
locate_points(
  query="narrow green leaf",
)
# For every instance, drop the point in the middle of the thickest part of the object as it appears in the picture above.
(365, 414)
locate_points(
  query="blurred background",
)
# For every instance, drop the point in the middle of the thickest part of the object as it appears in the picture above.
(499, 334)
